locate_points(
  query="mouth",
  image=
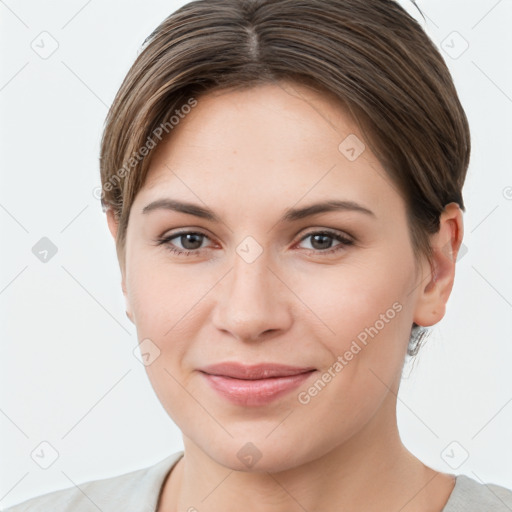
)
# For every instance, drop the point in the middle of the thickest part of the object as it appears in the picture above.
(254, 385)
(254, 372)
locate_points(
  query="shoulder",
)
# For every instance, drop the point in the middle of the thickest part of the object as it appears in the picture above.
(136, 490)
(468, 495)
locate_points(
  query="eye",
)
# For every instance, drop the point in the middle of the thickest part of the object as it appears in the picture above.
(190, 241)
(321, 241)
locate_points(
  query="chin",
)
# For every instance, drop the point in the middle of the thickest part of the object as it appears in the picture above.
(258, 457)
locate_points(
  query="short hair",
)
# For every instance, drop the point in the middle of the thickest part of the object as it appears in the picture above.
(370, 55)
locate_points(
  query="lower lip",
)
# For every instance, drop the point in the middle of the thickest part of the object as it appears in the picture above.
(255, 392)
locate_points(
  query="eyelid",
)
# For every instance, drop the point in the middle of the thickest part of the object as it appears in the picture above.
(183, 231)
(166, 238)
(328, 231)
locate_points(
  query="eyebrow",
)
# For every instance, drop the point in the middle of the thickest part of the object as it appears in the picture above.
(290, 215)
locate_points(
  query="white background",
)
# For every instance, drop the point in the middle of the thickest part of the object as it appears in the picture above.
(68, 373)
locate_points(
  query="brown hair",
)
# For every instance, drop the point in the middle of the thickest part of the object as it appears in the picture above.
(369, 54)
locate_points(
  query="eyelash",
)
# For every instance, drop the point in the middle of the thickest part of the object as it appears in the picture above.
(345, 242)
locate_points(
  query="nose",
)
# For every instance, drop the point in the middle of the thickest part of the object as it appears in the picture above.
(252, 302)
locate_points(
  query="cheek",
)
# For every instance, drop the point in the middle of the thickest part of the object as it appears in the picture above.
(163, 296)
(164, 303)
(366, 317)
(370, 318)
(349, 301)
(170, 306)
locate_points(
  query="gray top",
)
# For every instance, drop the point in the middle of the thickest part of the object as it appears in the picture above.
(138, 491)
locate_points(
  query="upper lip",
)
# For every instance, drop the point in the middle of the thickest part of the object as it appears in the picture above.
(257, 371)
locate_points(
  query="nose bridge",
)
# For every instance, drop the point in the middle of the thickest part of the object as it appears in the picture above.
(250, 278)
(251, 303)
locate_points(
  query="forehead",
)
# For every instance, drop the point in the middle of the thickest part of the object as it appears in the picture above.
(275, 142)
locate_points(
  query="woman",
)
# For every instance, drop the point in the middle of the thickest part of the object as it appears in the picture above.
(283, 182)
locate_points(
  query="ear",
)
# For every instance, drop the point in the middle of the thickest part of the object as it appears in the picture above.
(113, 226)
(436, 288)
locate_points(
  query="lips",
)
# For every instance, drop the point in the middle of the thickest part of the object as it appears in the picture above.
(255, 385)
(252, 372)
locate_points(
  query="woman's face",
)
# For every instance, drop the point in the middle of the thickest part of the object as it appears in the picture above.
(262, 284)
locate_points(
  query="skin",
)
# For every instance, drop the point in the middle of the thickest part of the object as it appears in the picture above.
(250, 155)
